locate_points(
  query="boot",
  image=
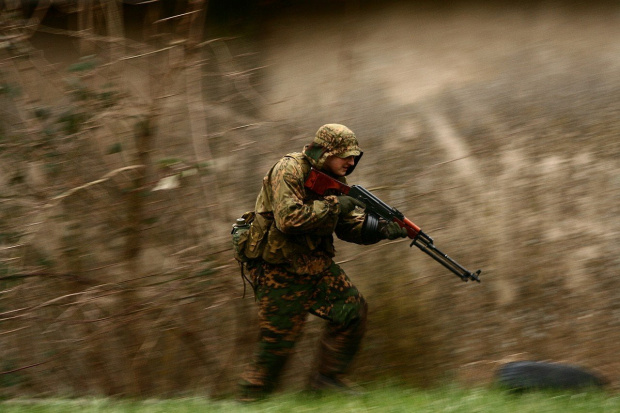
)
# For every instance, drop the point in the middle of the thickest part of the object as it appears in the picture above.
(320, 383)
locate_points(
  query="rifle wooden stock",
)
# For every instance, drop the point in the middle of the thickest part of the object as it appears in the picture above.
(319, 182)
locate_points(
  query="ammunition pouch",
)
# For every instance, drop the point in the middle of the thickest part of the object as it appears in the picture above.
(249, 235)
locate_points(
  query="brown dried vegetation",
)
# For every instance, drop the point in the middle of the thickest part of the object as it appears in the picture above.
(121, 174)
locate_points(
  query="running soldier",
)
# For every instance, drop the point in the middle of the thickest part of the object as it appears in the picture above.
(290, 248)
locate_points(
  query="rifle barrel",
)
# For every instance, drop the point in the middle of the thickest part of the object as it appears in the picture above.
(436, 254)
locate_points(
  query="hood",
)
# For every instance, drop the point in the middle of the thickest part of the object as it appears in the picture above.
(333, 139)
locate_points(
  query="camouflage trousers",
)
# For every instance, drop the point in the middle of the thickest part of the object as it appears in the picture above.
(284, 301)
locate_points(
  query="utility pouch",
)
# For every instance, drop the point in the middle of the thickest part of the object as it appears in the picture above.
(241, 234)
(257, 235)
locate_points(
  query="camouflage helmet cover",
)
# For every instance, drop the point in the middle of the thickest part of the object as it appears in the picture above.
(337, 140)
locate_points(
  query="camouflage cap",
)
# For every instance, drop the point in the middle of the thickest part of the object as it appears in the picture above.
(337, 140)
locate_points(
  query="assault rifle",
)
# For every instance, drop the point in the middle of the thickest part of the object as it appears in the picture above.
(319, 182)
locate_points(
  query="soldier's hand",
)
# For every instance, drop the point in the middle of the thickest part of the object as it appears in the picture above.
(348, 204)
(391, 230)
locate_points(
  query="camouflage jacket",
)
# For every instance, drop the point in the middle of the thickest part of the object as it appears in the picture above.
(294, 226)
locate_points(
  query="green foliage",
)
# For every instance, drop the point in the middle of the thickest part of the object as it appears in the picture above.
(150, 220)
(9, 379)
(108, 98)
(168, 162)
(7, 280)
(115, 148)
(9, 237)
(53, 164)
(43, 113)
(85, 64)
(80, 92)
(390, 400)
(9, 89)
(203, 167)
(17, 178)
(72, 120)
(5, 271)
(45, 262)
(205, 272)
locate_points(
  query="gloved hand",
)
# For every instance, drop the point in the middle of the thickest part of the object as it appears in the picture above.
(348, 204)
(391, 230)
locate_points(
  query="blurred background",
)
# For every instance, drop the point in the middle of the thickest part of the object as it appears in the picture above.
(133, 134)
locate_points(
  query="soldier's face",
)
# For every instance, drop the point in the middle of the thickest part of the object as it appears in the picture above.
(338, 166)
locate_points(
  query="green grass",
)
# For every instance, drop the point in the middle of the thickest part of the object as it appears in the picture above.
(388, 400)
